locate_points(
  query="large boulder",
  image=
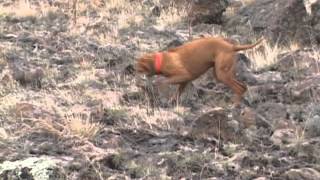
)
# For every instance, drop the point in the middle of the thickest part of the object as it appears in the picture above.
(297, 65)
(215, 124)
(207, 11)
(201, 11)
(303, 173)
(298, 92)
(38, 168)
(281, 21)
(224, 124)
(303, 91)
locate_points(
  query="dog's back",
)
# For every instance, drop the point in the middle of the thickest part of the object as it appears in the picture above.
(198, 55)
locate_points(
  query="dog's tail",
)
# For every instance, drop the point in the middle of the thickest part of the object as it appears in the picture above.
(247, 46)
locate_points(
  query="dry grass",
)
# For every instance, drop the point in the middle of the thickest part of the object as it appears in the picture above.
(122, 4)
(82, 126)
(308, 4)
(8, 102)
(124, 14)
(3, 134)
(21, 9)
(266, 57)
(236, 5)
(269, 54)
(172, 16)
(247, 2)
(84, 76)
(316, 53)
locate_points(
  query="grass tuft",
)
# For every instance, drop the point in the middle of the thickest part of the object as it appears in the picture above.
(81, 126)
(266, 57)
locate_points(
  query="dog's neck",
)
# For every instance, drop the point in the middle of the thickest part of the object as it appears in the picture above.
(158, 61)
(164, 68)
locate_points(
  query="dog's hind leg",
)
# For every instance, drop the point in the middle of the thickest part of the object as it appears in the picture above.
(224, 70)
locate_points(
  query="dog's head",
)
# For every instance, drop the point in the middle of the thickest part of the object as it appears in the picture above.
(145, 65)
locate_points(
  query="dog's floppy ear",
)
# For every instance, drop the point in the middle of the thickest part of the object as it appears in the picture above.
(143, 66)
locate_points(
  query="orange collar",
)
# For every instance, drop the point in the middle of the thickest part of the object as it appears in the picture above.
(158, 62)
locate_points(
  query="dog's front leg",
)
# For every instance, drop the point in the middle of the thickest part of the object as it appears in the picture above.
(181, 80)
(176, 96)
(175, 80)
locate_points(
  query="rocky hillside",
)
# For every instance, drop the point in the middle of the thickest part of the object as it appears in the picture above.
(72, 106)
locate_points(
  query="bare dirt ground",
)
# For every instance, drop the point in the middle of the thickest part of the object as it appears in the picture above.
(72, 106)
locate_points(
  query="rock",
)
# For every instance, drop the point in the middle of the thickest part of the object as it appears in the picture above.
(206, 11)
(249, 135)
(309, 150)
(103, 75)
(269, 77)
(202, 29)
(112, 54)
(312, 117)
(297, 64)
(28, 76)
(235, 3)
(283, 136)
(297, 112)
(243, 70)
(27, 110)
(218, 124)
(201, 11)
(174, 43)
(298, 92)
(37, 168)
(265, 92)
(281, 21)
(244, 73)
(248, 117)
(274, 112)
(234, 124)
(303, 91)
(313, 126)
(302, 173)
(315, 21)
(199, 30)
(115, 161)
(260, 178)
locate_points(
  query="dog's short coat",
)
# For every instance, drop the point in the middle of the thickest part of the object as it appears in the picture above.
(187, 62)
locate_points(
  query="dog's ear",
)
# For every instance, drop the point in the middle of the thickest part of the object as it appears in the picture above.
(143, 67)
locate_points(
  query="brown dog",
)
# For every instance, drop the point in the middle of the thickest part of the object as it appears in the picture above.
(187, 62)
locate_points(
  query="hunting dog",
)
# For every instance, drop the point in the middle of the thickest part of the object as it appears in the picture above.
(187, 62)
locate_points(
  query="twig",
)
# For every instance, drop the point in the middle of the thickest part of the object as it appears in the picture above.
(190, 19)
(74, 9)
